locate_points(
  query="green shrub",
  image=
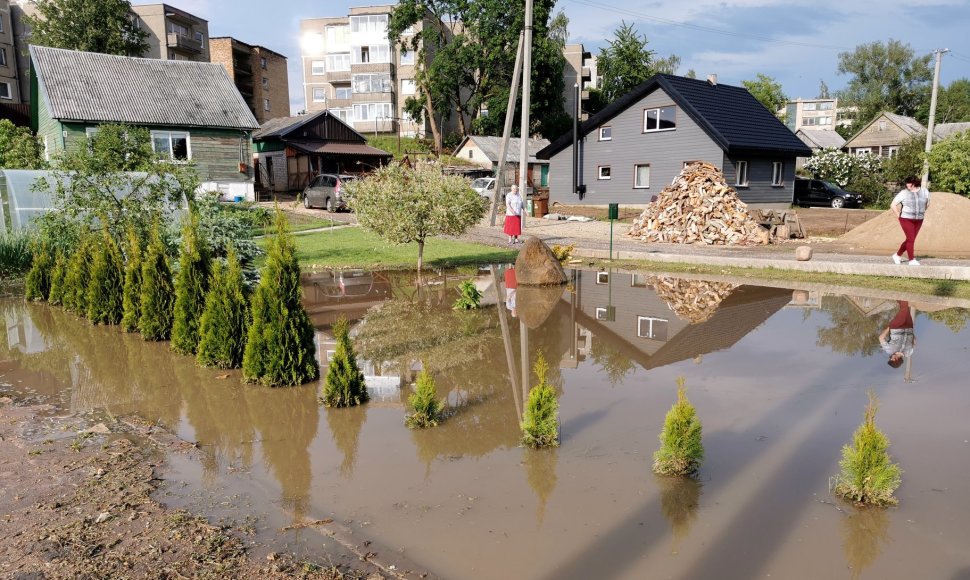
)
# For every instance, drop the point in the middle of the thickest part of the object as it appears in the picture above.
(56, 294)
(868, 474)
(279, 345)
(222, 328)
(15, 253)
(75, 293)
(191, 285)
(425, 402)
(344, 385)
(563, 253)
(105, 287)
(131, 294)
(540, 425)
(155, 322)
(37, 286)
(681, 450)
(469, 297)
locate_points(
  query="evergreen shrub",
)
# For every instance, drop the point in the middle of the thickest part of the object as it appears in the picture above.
(344, 384)
(157, 291)
(540, 425)
(191, 286)
(37, 286)
(105, 286)
(424, 400)
(868, 474)
(74, 295)
(224, 322)
(131, 294)
(56, 294)
(681, 450)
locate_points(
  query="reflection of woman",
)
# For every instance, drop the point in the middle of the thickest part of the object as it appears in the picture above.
(898, 340)
(511, 285)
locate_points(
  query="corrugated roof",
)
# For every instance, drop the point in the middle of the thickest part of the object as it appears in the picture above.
(908, 124)
(339, 148)
(818, 138)
(730, 116)
(490, 147)
(93, 87)
(281, 125)
(944, 130)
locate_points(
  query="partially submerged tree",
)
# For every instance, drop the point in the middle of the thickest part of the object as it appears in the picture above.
(404, 205)
(157, 291)
(540, 423)
(105, 288)
(56, 294)
(681, 450)
(868, 474)
(224, 321)
(191, 286)
(344, 384)
(425, 402)
(131, 293)
(74, 295)
(37, 285)
(103, 26)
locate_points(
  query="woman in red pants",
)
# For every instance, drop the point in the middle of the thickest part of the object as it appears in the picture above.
(899, 340)
(910, 206)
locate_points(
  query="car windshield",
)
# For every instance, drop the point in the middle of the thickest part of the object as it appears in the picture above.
(832, 186)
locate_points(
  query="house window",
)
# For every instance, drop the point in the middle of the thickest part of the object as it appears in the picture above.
(809, 106)
(602, 313)
(777, 172)
(319, 95)
(372, 83)
(407, 56)
(318, 67)
(200, 37)
(343, 92)
(345, 115)
(602, 277)
(882, 125)
(825, 120)
(265, 83)
(863, 151)
(369, 23)
(641, 176)
(660, 119)
(173, 145)
(377, 53)
(338, 36)
(3, 57)
(604, 172)
(262, 62)
(471, 153)
(892, 152)
(606, 133)
(741, 178)
(338, 62)
(650, 327)
(372, 111)
(265, 104)
(5, 92)
(825, 106)
(178, 29)
(407, 86)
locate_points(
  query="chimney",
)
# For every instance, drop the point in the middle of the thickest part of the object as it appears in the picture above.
(712, 79)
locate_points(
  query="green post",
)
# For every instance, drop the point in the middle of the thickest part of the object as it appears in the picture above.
(614, 213)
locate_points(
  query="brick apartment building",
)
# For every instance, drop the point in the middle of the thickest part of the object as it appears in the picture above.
(258, 72)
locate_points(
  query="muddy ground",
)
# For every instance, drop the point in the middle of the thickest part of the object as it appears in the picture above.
(77, 502)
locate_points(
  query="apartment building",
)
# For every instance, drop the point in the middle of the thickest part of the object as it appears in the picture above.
(817, 114)
(258, 72)
(351, 69)
(580, 68)
(9, 81)
(173, 34)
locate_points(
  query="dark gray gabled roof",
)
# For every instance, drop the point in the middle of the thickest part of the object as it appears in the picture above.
(730, 116)
(93, 87)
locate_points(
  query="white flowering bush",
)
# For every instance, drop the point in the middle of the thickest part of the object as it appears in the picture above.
(840, 167)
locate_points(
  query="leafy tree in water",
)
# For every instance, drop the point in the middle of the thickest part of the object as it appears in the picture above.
(37, 285)
(131, 294)
(884, 77)
(224, 321)
(681, 449)
(191, 285)
(768, 91)
(157, 291)
(540, 423)
(90, 25)
(627, 62)
(19, 149)
(105, 287)
(344, 384)
(950, 164)
(279, 345)
(404, 205)
(868, 474)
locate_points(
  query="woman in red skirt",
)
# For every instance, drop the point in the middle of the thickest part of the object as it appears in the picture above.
(513, 215)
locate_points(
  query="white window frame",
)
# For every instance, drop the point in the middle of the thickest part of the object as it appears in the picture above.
(893, 151)
(408, 87)
(348, 92)
(9, 88)
(314, 93)
(170, 134)
(602, 278)
(606, 133)
(262, 62)
(372, 114)
(650, 331)
(636, 175)
(810, 106)
(338, 62)
(656, 111)
(318, 67)
(863, 151)
(406, 57)
(3, 52)
(599, 172)
(371, 83)
(602, 314)
(740, 173)
(199, 36)
(265, 104)
(777, 173)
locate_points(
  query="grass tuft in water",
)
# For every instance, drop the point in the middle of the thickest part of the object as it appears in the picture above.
(681, 450)
(469, 297)
(344, 385)
(424, 400)
(540, 425)
(868, 474)
(15, 253)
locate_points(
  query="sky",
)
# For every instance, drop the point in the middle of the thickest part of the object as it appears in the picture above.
(795, 41)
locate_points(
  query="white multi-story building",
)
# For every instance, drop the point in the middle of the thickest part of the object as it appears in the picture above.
(817, 114)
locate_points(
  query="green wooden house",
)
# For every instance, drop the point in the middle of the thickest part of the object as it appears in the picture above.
(193, 110)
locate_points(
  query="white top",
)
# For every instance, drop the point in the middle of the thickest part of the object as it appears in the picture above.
(914, 203)
(513, 204)
(900, 340)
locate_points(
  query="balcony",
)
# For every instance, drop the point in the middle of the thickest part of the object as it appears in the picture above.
(185, 43)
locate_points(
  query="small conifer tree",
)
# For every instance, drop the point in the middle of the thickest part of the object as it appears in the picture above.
(131, 294)
(37, 286)
(469, 297)
(344, 384)
(105, 285)
(191, 286)
(74, 295)
(681, 450)
(868, 474)
(425, 402)
(155, 322)
(540, 425)
(279, 345)
(222, 328)
(56, 294)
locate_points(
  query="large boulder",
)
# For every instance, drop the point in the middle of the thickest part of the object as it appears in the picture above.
(537, 266)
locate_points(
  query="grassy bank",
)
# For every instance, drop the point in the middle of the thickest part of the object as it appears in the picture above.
(354, 247)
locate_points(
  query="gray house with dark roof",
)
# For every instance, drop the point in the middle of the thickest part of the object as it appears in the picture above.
(637, 145)
(193, 110)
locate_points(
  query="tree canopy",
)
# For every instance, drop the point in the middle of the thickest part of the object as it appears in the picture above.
(952, 103)
(19, 149)
(768, 91)
(626, 62)
(950, 164)
(884, 77)
(103, 26)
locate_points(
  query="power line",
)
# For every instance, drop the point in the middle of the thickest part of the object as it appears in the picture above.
(959, 56)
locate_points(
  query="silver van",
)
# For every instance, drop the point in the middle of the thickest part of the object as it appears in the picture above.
(326, 190)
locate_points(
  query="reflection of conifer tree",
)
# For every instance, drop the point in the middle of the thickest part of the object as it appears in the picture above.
(345, 427)
(864, 531)
(679, 498)
(150, 366)
(540, 469)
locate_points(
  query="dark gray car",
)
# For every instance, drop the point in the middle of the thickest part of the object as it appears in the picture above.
(326, 190)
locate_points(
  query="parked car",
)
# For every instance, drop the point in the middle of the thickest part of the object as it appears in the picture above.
(818, 192)
(326, 190)
(485, 186)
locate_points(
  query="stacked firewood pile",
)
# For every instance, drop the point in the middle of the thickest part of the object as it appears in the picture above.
(692, 300)
(699, 207)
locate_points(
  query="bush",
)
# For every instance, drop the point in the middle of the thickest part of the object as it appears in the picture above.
(279, 345)
(75, 292)
(155, 322)
(950, 164)
(56, 295)
(38, 283)
(131, 294)
(344, 385)
(563, 253)
(191, 285)
(105, 287)
(868, 474)
(469, 297)
(222, 328)
(681, 450)
(15, 253)
(540, 425)
(424, 400)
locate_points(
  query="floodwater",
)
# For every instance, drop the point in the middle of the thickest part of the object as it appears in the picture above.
(778, 377)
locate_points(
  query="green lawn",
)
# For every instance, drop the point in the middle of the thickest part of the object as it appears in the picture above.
(354, 247)
(301, 222)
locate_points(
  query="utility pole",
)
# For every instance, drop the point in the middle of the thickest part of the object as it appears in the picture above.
(507, 131)
(526, 105)
(929, 130)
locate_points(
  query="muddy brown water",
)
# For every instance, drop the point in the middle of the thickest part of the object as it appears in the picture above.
(779, 379)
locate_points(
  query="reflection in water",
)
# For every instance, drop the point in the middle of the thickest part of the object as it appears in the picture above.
(856, 324)
(612, 360)
(864, 531)
(679, 499)
(345, 426)
(692, 300)
(540, 469)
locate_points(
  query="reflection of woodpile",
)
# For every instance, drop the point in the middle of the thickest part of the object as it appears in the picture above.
(698, 207)
(692, 300)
